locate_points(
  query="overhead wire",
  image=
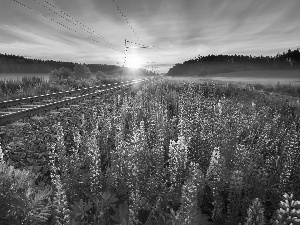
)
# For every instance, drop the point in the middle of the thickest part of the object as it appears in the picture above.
(82, 26)
(77, 24)
(142, 46)
(47, 17)
(127, 21)
(130, 26)
(53, 12)
(157, 49)
(85, 27)
(139, 47)
(133, 30)
(100, 37)
(28, 7)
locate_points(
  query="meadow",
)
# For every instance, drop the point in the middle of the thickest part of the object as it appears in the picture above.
(283, 82)
(19, 76)
(14, 86)
(263, 77)
(32, 86)
(167, 152)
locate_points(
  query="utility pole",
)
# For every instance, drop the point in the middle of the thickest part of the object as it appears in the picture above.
(125, 53)
(143, 46)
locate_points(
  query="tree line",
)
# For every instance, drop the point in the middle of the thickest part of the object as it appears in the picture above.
(20, 64)
(211, 64)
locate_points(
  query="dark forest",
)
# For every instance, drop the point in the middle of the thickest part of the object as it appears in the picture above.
(212, 64)
(20, 64)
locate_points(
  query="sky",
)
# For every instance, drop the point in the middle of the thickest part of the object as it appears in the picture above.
(94, 31)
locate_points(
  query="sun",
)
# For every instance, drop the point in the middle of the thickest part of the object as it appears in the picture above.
(135, 62)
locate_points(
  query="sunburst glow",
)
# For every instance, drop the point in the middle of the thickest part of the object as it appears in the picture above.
(135, 61)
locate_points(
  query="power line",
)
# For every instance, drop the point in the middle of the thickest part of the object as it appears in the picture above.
(53, 12)
(83, 27)
(133, 30)
(139, 46)
(48, 17)
(100, 37)
(125, 54)
(70, 19)
(62, 24)
(127, 21)
(142, 46)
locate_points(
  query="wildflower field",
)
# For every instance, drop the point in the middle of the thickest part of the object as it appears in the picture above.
(164, 153)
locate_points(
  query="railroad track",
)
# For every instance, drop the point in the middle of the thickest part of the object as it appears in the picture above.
(14, 110)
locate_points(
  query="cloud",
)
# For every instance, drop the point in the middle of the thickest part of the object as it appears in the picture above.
(41, 45)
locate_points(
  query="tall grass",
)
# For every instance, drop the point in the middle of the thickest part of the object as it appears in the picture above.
(27, 86)
(31, 86)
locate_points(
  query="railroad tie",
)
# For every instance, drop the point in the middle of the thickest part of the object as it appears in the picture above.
(67, 97)
(2, 112)
(18, 124)
(64, 109)
(47, 100)
(31, 106)
(17, 109)
(38, 118)
(54, 112)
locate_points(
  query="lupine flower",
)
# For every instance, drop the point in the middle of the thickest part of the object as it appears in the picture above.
(94, 155)
(219, 107)
(187, 214)
(60, 201)
(178, 158)
(214, 172)
(57, 163)
(289, 211)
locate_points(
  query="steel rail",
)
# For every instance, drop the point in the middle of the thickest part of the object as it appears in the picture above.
(8, 118)
(14, 102)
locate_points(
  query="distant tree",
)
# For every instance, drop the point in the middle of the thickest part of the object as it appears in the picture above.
(60, 74)
(81, 71)
(100, 75)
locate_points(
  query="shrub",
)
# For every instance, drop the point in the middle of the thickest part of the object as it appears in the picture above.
(81, 71)
(21, 202)
(100, 75)
(60, 74)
